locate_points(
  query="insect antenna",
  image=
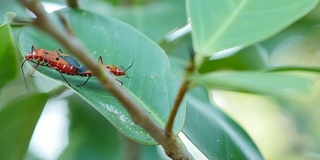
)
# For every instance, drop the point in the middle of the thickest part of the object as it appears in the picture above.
(125, 70)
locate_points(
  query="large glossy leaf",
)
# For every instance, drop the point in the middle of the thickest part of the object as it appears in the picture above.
(18, 119)
(152, 84)
(94, 137)
(256, 82)
(215, 134)
(8, 62)
(219, 24)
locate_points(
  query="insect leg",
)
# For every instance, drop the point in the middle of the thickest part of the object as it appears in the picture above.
(119, 82)
(34, 69)
(24, 77)
(58, 50)
(79, 85)
(65, 79)
(100, 61)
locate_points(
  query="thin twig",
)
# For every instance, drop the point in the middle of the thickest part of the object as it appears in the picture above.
(183, 89)
(76, 47)
(175, 108)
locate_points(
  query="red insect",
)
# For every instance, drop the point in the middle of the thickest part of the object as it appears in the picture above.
(53, 59)
(65, 64)
(111, 68)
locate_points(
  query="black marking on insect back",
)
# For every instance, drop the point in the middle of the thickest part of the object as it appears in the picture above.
(82, 70)
(71, 61)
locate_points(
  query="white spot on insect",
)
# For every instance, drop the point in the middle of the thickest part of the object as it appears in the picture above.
(64, 66)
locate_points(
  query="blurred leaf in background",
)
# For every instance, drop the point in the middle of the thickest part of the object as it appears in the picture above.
(17, 120)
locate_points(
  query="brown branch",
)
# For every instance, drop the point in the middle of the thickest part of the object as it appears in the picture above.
(183, 90)
(175, 108)
(75, 46)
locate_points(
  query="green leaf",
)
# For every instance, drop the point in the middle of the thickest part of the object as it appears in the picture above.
(179, 47)
(218, 25)
(18, 119)
(215, 134)
(152, 84)
(251, 58)
(94, 137)
(91, 137)
(8, 62)
(12, 6)
(155, 19)
(256, 82)
(149, 152)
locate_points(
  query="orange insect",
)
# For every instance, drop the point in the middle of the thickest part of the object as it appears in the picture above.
(65, 64)
(111, 68)
(52, 59)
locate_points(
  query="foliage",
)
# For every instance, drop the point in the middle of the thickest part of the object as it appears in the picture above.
(122, 31)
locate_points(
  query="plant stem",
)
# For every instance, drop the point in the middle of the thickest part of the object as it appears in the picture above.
(183, 89)
(173, 149)
(177, 102)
